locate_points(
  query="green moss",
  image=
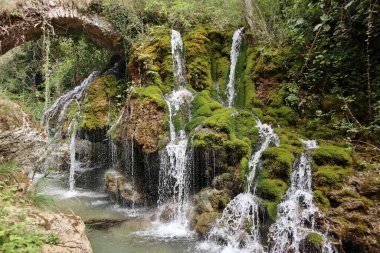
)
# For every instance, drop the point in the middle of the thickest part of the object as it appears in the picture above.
(321, 201)
(273, 62)
(271, 189)
(330, 176)
(278, 161)
(354, 194)
(271, 209)
(151, 61)
(96, 105)
(283, 115)
(245, 126)
(331, 155)
(152, 92)
(208, 139)
(236, 150)
(315, 240)
(197, 48)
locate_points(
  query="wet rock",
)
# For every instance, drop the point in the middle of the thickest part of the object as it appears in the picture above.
(209, 205)
(121, 190)
(353, 218)
(203, 222)
(167, 214)
(104, 223)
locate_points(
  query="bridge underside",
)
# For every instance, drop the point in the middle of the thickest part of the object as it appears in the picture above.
(31, 20)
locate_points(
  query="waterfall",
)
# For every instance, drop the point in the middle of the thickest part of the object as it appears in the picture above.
(61, 105)
(296, 213)
(58, 110)
(235, 51)
(268, 135)
(243, 209)
(178, 62)
(73, 134)
(174, 178)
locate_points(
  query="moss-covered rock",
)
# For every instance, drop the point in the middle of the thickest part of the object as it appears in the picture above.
(96, 104)
(330, 176)
(144, 119)
(198, 59)
(271, 189)
(151, 60)
(331, 155)
(312, 243)
(278, 162)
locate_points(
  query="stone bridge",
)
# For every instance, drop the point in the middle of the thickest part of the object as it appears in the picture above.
(62, 17)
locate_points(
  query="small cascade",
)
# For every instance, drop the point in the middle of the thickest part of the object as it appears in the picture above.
(60, 106)
(178, 61)
(174, 178)
(73, 131)
(267, 133)
(242, 210)
(217, 88)
(58, 111)
(297, 213)
(235, 51)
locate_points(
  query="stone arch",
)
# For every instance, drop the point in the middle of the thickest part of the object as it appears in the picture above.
(63, 19)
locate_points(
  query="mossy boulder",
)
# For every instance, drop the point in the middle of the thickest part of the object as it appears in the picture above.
(204, 222)
(95, 106)
(271, 189)
(278, 162)
(312, 243)
(325, 155)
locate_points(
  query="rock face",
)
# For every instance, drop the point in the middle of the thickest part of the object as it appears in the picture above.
(20, 139)
(69, 228)
(33, 17)
(354, 215)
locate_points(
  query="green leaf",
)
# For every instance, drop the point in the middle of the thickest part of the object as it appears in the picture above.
(324, 17)
(326, 28)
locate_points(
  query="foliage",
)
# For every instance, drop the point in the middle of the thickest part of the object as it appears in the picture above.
(22, 75)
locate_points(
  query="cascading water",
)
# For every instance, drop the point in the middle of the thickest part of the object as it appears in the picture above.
(73, 131)
(235, 51)
(242, 210)
(174, 179)
(173, 175)
(59, 108)
(296, 213)
(61, 105)
(178, 62)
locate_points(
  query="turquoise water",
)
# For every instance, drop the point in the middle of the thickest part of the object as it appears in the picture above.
(138, 234)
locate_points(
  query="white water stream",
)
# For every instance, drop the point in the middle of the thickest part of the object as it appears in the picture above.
(231, 228)
(235, 51)
(297, 213)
